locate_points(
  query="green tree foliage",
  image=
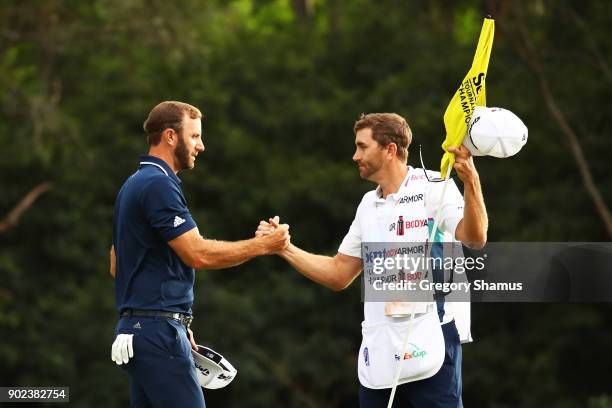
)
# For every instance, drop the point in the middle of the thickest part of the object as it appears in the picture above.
(280, 83)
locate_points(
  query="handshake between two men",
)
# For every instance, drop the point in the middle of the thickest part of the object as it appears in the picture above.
(265, 229)
(277, 233)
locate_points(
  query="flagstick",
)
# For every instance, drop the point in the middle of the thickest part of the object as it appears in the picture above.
(432, 235)
(398, 370)
(437, 216)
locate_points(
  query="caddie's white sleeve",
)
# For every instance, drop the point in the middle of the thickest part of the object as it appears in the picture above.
(452, 207)
(351, 244)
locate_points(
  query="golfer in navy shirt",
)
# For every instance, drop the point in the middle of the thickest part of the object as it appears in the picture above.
(156, 247)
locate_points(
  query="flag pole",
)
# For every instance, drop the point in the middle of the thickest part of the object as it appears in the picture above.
(458, 114)
(432, 235)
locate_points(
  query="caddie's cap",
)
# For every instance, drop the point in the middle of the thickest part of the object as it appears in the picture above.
(495, 132)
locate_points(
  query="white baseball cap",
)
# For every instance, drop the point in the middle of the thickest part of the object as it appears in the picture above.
(212, 369)
(495, 132)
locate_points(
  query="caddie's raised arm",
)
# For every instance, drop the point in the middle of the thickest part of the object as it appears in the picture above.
(472, 229)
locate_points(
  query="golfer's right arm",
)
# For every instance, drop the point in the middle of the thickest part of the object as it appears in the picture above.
(200, 253)
(335, 273)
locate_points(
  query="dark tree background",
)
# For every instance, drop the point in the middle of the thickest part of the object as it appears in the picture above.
(281, 83)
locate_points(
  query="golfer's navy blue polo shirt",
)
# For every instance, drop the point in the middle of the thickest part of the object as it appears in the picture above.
(151, 210)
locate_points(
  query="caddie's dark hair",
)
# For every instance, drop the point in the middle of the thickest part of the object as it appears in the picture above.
(387, 128)
(167, 115)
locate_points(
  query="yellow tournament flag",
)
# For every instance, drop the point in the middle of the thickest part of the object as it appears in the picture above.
(471, 93)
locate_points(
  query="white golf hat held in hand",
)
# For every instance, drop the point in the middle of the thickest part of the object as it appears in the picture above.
(495, 132)
(212, 369)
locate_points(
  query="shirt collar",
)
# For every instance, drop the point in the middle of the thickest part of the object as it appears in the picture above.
(160, 164)
(404, 184)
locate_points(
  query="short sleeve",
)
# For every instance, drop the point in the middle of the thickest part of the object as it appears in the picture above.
(451, 212)
(351, 244)
(165, 209)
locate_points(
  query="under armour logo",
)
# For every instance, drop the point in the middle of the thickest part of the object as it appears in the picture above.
(136, 326)
(178, 221)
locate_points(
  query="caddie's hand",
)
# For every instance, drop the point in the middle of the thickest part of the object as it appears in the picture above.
(265, 228)
(194, 346)
(122, 349)
(464, 164)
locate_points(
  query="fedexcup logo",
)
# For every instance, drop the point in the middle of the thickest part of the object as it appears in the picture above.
(410, 355)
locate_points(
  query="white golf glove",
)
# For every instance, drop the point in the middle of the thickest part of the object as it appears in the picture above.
(122, 349)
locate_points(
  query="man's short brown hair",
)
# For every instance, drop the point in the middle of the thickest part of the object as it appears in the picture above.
(387, 128)
(167, 115)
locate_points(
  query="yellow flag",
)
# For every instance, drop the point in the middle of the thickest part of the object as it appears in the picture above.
(471, 93)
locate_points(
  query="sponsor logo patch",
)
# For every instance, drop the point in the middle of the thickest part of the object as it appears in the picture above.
(411, 355)
(178, 221)
(409, 199)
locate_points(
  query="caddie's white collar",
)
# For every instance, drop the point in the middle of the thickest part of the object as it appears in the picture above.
(379, 197)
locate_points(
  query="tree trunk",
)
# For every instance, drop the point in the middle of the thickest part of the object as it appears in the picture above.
(525, 49)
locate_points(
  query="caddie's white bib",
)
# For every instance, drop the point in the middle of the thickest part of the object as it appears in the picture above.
(382, 344)
(400, 217)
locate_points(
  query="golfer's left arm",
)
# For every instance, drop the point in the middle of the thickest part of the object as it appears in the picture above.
(113, 261)
(472, 229)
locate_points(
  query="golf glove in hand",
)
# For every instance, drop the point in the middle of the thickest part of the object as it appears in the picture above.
(122, 349)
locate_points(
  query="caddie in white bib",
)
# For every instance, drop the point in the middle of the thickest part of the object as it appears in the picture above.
(405, 216)
(400, 213)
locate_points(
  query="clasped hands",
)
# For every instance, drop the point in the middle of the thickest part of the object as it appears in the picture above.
(266, 230)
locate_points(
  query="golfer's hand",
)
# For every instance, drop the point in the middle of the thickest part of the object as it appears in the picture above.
(464, 164)
(122, 349)
(194, 346)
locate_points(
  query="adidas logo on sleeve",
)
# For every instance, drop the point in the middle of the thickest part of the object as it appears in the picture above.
(178, 221)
